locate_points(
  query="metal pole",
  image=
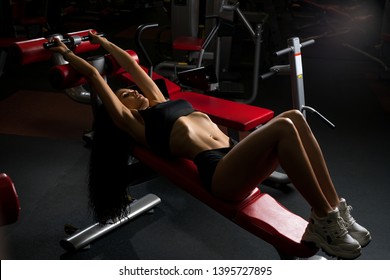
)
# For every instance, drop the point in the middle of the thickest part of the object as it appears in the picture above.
(256, 65)
(297, 86)
(86, 236)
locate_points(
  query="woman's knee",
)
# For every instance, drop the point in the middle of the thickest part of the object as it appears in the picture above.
(285, 125)
(294, 115)
(298, 120)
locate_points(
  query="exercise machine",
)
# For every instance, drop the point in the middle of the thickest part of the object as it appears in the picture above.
(35, 50)
(197, 48)
(295, 70)
(72, 40)
(259, 213)
(9, 201)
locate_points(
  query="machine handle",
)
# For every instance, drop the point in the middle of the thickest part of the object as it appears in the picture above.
(319, 115)
(141, 47)
(277, 69)
(70, 41)
(290, 49)
(283, 51)
(228, 7)
(307, 43)
(268, 75)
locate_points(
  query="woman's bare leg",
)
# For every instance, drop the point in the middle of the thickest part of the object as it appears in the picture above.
(315, 156)
(255, 157)
(288, 139)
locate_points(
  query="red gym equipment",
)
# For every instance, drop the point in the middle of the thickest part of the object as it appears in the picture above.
(259, 213)
(9, 201)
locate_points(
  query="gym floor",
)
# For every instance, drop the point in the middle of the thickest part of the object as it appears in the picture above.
(42, 150)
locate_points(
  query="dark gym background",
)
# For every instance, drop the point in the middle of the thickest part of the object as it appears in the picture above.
(42, 150)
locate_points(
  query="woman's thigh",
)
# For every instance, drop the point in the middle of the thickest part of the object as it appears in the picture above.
(251, 161)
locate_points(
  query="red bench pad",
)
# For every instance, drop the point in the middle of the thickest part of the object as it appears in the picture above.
(259, 213)
(183, 173)
(272, 222)
(8, 42)
(239, 116)
(9, 201)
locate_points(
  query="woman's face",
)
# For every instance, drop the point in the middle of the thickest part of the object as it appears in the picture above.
(132, 99)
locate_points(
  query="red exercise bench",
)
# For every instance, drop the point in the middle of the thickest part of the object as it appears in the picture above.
(259, 213)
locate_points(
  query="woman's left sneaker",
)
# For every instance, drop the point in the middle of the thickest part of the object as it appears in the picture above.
(361, 234)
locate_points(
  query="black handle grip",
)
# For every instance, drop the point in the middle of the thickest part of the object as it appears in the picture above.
(69, 41)
(267, 75)
(87, 38)
(48, 45)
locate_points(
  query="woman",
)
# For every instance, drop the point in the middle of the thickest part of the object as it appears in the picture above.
(228, 170)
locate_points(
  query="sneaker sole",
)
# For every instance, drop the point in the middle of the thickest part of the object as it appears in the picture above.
(365, 241)
(332, 251)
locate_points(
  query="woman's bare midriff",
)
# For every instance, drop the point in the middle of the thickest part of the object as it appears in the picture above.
(195, 133)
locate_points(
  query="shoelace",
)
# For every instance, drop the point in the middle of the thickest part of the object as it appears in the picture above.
(347, 217)
(338, 227)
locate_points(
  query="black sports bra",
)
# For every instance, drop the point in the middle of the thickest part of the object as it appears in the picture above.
(159, 121)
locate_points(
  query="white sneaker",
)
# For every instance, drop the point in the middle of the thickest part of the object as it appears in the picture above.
(358, 232)
(331, 235)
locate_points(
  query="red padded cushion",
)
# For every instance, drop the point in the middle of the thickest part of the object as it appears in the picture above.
(9, 201)
(31, 51)
(184, 173)
(271, 221)
(112, 66)
(259, 213)
(64, 76)
(7, 42)
(239, 116)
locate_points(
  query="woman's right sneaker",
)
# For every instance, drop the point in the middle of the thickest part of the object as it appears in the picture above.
(330, 234)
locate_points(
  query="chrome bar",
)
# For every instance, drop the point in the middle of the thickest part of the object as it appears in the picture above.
(84, 237)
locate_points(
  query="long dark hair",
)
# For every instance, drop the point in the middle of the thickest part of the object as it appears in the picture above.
(108, 176)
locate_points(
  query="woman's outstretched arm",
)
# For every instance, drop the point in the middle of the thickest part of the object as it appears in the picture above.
(127, 62)
(121, 115)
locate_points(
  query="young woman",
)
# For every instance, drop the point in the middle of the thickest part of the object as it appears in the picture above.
(229, 170)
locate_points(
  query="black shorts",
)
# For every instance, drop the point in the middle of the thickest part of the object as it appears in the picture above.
(207, 162)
